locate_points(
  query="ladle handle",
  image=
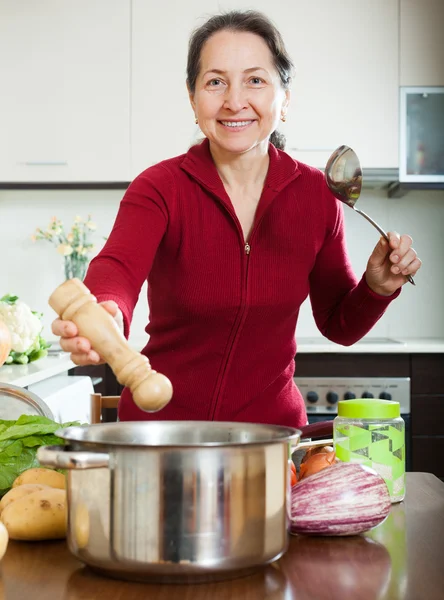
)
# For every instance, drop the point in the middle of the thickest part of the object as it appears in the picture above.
(73, 301)
(383, 233)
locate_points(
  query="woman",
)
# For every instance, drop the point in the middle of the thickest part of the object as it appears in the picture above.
(232, 237)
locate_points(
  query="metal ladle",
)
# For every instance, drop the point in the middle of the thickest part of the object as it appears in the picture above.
(344, 178)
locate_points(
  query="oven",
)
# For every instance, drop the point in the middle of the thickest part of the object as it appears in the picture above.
(322, 394)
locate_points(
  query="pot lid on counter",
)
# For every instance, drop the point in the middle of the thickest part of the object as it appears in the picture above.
(16, 401)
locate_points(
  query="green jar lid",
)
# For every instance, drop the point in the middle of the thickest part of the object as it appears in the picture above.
(368, 408)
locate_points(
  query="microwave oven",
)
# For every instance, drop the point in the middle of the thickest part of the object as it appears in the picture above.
(421, 149)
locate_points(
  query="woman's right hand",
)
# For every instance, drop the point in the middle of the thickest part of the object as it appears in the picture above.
(80, 347)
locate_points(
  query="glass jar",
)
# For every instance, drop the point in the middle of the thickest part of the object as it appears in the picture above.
(372, 432)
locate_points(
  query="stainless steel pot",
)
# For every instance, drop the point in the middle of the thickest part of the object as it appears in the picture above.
(176, 501)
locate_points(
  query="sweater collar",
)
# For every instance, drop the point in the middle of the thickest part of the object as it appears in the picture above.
(199, 164)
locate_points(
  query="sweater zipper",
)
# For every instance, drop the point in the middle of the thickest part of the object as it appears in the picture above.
(239, 318)
(235, 331)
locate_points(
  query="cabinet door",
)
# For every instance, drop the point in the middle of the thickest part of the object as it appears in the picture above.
(346, 85)
(64, 105)
(422, 42)
(162, 121)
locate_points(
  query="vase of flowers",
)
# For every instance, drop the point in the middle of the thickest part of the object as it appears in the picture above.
(75, 246)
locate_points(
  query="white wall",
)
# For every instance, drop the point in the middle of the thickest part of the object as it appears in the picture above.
(33, 270)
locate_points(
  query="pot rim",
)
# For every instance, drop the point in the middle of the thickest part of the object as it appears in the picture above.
(107, 434)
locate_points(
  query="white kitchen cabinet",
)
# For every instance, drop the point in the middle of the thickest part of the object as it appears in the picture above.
(421, 42)
(346, 86)
(65, 80)
(162, 120)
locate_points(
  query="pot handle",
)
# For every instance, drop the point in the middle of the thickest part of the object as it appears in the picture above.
(317, 430)
(60, 458)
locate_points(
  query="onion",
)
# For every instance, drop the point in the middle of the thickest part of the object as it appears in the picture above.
(345, 499)
(315, 463)
(5, 342)
(316, 450)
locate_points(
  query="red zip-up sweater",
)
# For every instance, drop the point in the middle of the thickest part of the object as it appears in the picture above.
(223, 312)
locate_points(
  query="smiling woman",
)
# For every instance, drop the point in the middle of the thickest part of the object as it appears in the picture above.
(232, 236)
(238, 106)
(237, 62)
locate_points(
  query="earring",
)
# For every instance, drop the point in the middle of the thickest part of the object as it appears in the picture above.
(283, 118)
(196, 120)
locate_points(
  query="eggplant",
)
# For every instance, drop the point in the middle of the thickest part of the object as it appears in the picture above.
(345, 499)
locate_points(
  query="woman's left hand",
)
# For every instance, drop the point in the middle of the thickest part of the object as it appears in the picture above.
(390, 263)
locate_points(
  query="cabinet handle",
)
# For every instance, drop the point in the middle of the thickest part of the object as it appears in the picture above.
(44, 163)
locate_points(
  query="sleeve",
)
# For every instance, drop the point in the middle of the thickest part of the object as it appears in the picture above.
(344, 308)
(121, 267)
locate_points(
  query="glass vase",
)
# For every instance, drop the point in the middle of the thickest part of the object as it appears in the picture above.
(75, 267)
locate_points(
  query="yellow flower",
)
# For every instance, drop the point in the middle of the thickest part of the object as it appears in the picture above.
(92, 226)
(78, 219)
(64, 249)
(33, 238)
(70, 237)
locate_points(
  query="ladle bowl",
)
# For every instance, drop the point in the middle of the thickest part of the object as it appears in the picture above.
(343, 174)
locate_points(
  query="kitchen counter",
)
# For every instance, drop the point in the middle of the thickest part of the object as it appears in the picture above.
(399, 560)
(369, 345)
(24, 375)
(44, 368)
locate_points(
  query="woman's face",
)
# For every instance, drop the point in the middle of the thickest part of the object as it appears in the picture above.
(239, 97)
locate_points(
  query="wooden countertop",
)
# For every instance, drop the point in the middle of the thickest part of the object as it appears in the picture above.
(400, 559)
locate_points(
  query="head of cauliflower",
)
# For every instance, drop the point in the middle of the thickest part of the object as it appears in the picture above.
(24, 327)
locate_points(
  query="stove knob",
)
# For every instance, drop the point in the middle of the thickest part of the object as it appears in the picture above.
(385, 396)
(312, 397)
(367, 395)
(349, 396)
(332, 397)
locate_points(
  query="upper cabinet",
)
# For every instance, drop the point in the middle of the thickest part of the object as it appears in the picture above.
(65, 100)
(347, 74)
(421, 42)
(162, 120)
(94, 90)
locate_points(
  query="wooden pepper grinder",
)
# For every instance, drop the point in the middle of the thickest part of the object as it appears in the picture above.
(72, 301)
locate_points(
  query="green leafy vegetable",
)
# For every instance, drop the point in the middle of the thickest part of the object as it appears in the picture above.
(19, 442)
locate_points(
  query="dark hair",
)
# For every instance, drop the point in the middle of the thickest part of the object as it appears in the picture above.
(250, 21)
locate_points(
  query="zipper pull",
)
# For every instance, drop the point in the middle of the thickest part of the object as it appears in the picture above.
(247, 248)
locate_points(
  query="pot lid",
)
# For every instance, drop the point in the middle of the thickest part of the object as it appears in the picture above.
(16, 401)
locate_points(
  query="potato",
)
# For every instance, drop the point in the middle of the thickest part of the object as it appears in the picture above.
(41, 475)
(19, 492)
(4, 538)
(41, 515)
